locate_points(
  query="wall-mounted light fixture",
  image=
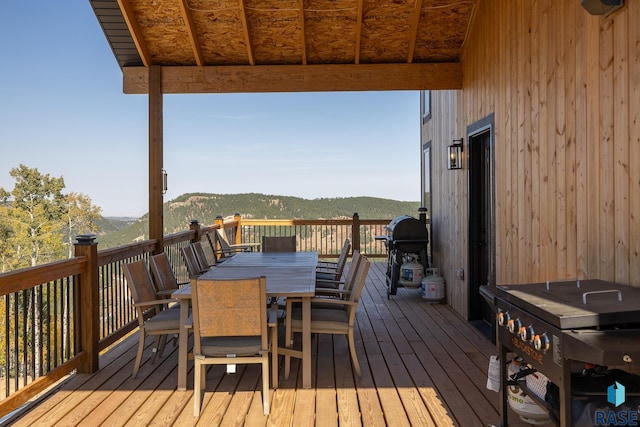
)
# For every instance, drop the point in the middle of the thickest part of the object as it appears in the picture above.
(455, 154)
(164, 181)
(601, 7)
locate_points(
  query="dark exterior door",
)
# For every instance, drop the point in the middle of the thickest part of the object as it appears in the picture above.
(481, 226)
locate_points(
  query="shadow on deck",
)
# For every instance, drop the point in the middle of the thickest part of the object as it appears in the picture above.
(422, 365)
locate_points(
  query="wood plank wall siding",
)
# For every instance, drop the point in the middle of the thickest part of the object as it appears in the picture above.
(564, 87)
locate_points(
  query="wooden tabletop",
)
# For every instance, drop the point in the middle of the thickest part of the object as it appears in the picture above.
(287, 273)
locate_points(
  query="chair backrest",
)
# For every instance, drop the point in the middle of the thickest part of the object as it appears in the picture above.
(278, 243)
(141, 287)
(193, 267)
(360, 278)
(229, 308)
(162, 272)
(222, 240)
(350, 277)
(342, 259)
(201, 257)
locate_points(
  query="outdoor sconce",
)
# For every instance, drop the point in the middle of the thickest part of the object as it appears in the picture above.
(164, 181)
(455, 154)
(601, 7)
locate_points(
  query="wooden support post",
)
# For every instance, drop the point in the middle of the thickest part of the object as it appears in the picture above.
(156, 141)
(237, 218)
(88, 303)
(355, 233)
(195, 226)
(220, 223)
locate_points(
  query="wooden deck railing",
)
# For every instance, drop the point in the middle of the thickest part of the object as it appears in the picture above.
(57, 317)
(324, 236)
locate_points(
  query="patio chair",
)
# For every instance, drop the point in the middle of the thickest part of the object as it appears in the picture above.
(278, 243)
(190, 260)
(152, 319)
(340, 288)
(201, 256)
(222, 249)
(163, 275)
(339, 320)
(230, 327)
(333, 270)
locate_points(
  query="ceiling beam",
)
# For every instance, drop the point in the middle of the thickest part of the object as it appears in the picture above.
(413, 34)
(134, 29)
(303, 36)
(358, 32)
(191, 30)
(245, 32)
(297, 78)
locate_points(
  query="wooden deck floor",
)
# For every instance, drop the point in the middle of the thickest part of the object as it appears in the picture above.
(422, 365)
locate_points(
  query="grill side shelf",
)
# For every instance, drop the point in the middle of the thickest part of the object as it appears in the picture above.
(606, 348)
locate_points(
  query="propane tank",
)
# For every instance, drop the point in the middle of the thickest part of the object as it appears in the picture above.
(432, 288)
(526, 408)
(411, 272)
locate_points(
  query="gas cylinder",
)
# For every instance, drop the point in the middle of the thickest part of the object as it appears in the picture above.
(411, 272)
(432, 288)
(528, 410)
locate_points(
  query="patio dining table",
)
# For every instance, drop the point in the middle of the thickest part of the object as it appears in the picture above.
(288, 274)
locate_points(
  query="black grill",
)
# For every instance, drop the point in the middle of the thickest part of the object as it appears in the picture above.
(405, 235)
(554, 324)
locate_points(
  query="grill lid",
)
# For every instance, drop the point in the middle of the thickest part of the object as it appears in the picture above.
(405, 227)
(576, 304)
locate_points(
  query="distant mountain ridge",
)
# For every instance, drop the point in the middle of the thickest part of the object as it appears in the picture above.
(205, 207)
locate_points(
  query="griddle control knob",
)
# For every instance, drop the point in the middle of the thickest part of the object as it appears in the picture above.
(503, 318)
(514, 325)
(541, 342)
(526, 333)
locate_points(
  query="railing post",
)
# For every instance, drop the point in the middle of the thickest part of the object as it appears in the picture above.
(236, 218)
(355, 233)
(89, 303)
(195, 226)
(220, 222)
(422, 214)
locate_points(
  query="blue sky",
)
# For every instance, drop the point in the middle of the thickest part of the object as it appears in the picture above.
(62, 111)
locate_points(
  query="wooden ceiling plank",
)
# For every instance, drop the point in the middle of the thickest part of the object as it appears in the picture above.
(413, 34)
(298, 78)
(303, 38)
(134, 29)
(358, 32)
(191, 30)
(245, 28)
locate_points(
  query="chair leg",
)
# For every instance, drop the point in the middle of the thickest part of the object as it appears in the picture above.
(265, 384)
(288, 342)
(163, 343)
(136, 365)
(154, 351)
(274, 357)
(197, 390)
(354, 356)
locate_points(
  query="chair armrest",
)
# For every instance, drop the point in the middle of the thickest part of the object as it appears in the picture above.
(327, 264)
(336, 282)
(324, 269)
(165, 293)
(242, 247)
(337, 302)
(272, 320)
(332, 291)
(155, 302)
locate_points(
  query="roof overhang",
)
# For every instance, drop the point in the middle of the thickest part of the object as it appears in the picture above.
(213, 46)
